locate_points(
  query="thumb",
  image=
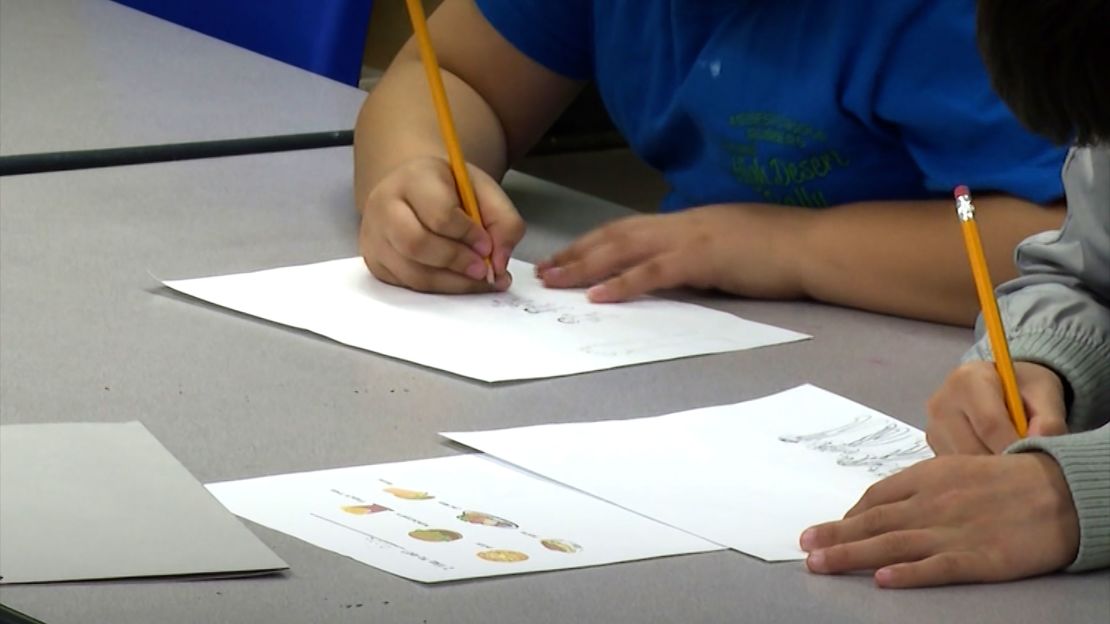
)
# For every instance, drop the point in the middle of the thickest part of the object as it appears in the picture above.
(1047, 413)
(1041, 424)
(500, 218)
(1042, 394)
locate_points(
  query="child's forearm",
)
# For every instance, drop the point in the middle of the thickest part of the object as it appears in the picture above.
(398, 123)
(907, 258)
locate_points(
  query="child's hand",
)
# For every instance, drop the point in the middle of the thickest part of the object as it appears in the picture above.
(956, 519)
(738, 248)
(415, 233)
(968, 414)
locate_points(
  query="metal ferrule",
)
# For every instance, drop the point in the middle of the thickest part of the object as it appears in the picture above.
(964, 208)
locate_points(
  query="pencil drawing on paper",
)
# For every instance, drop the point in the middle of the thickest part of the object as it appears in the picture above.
(883, 448)
(565, 314)
(641, 345)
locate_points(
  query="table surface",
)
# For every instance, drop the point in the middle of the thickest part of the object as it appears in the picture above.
(89, 334)
(93, 74)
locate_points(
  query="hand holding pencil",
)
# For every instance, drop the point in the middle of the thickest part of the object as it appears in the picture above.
(431, 223)
(984, 407)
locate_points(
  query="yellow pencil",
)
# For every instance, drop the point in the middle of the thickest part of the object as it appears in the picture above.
(991, 317)
(443, 114)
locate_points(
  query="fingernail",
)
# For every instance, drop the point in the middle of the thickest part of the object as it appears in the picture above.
(552, 274)
(483, 247)
(816, 561)
(599, 294)
(808, 540)
(504, 281)
(476, 270)
(884, 576)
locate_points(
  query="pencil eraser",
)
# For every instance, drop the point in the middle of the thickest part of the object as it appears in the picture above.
(960, 191)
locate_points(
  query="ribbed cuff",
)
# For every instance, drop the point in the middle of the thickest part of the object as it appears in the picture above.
(1085, 461)
(1082, 360)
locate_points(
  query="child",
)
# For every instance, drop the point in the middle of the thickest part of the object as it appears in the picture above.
(810, 147)
(1044, 505)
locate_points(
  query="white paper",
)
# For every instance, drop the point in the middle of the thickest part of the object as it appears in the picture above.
(451, 518)
(751, 476)
(527, 333)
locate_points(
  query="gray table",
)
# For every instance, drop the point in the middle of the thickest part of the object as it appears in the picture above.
(79, 75)
(88, 334)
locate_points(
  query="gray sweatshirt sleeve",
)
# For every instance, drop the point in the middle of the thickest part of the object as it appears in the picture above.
(1085, 460)
(1058, 314)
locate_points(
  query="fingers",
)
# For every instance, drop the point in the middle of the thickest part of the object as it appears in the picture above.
(968, 413)
(503, 223)
(873, 552)
(598, 255)
(988, 417)
(895, 488)
(968, 519)
(424, 279)
(1047, 426)
(971, 392)
(413, 243)
(870, 523)
(941, 569)
(415, 234)
(581, 246)
(437, 208)
(662, 271)
(1043, 393)
(958, 437)
(597, 264)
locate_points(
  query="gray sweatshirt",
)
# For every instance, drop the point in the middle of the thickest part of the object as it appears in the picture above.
(1058, 314)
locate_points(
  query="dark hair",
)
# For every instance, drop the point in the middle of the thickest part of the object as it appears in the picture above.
(1049, 60)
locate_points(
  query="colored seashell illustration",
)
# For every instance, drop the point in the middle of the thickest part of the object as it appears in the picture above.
(364, 510)
(559, 545)
(503, 556)
(485, 519)
(435, 535)
(408, 494)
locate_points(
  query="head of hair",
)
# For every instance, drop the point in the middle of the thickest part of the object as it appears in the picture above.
(1049, 60)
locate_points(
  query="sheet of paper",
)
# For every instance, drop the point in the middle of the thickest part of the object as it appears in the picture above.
(751, 476)
(88, 501)
(451, 518)
(527, 333)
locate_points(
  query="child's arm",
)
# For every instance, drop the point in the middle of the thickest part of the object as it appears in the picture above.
(413, 232)
(1055, 314)
(904, 258)
(976, 519)
(908, 259)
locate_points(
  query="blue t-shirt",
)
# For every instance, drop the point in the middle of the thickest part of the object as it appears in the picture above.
(807, 102)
